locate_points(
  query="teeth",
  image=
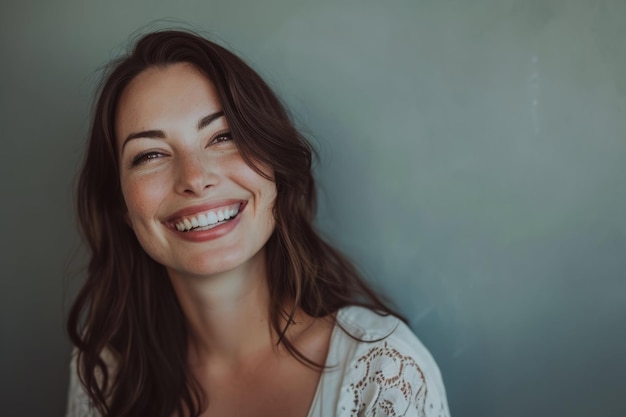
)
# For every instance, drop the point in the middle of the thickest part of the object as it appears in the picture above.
(209, 218)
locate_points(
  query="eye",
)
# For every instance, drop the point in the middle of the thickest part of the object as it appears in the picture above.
(221, 137)
(145, 157)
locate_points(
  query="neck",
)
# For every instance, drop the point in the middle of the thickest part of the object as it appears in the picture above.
(227, 313)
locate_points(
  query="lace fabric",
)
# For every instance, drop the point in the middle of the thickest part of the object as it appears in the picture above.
(389, 383)
(388, 372)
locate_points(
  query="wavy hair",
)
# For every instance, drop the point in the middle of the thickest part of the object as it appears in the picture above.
(127, 307)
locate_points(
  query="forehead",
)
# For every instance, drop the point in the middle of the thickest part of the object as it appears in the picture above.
(161, 94)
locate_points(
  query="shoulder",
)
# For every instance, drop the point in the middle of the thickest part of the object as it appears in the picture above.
(388, 371)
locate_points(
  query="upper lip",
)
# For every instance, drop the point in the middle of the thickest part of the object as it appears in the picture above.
(199, 208)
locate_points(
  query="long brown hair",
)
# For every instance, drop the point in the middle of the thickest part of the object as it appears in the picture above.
(127, 306)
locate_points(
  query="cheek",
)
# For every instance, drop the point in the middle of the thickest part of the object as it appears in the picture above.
(142, 197)
(267, 206)
(265, 193)
(263, 189)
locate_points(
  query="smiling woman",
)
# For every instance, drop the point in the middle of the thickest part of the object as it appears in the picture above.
(208, 290)
(182, 177)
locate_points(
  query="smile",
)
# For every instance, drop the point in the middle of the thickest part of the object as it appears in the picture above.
(207, 220)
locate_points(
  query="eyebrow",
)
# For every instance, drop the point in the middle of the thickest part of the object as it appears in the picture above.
(159, 134)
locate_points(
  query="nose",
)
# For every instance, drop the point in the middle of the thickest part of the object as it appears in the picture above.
(194, 174)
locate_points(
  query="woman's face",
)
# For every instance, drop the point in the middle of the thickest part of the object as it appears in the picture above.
(195, 206)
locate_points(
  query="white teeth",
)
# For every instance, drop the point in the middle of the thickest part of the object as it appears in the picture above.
(211, 217)
(207, 219)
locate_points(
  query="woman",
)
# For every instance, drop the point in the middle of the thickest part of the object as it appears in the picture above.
(208, 292)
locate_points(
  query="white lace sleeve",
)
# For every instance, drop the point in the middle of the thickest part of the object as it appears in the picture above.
(78, 403)
(389, 383)
(77, 400)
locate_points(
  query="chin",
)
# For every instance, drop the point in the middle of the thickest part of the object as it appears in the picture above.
(215, 264)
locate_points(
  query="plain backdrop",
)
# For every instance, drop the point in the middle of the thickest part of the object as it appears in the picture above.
(472, 163)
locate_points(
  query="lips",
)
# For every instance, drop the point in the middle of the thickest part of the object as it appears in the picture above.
(207, 218)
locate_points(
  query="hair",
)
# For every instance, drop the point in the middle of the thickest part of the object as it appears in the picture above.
(127, 307)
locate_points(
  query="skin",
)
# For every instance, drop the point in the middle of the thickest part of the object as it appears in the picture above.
(221, 282)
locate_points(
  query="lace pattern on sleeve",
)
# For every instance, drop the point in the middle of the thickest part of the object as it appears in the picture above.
(387, 383)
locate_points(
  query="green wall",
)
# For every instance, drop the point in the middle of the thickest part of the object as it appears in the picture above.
(473, 163)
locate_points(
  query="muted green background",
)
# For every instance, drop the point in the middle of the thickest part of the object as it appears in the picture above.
(473, 163)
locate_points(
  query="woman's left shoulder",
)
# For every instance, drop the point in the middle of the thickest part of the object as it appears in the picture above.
(390, 372)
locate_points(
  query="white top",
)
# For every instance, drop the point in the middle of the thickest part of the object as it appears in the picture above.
(388, 373)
